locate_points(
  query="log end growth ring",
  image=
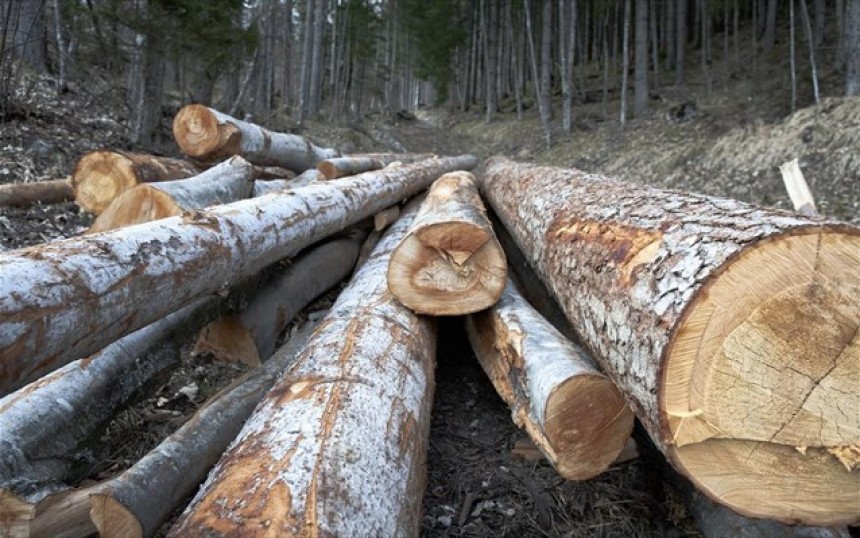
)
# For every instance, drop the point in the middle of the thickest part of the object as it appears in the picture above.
(200, 135)
(111, 518)
(761, 379)
(99, 177)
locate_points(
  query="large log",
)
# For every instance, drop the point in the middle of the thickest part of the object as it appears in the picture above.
(250, 336)
(64, 300)
(227, 182)
(338, 446)
(450, 262)
(572, 412)
(207, 135)
(27, 194)
(100, 176)
(731, 328)
(135, 503)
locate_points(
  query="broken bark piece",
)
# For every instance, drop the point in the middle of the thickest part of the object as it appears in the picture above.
(337, 447)
(731, 328)
(571, 411)
(227, 182)
(209, 136)
(100, 176)
(44, 192)
(348, 166)
(798, 190)
(250, 336)
(450, 262)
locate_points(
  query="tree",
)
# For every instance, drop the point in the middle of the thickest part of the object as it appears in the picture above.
(769, 38)
(625, 62)
(852, 47)
(25, 21)
(640, 67)
(681, 43)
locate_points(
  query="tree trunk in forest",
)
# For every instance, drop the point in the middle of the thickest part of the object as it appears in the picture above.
(250, 336)
(567, 42)
(543, 106)
(839, 56)
(769, 38)
(810, 41)
(791, 54)
(851, 47)
(820, 22)
(640, 67)
(546, 61)
(26, 24)
(450, 262)
(107, 285)
(670, 292)
(680, 41)
(317, 58)
(305, 59)
(135, 503)
(351, 471)
(207, 135)
(27, 194)
(572, 412)
(492, 32)
(61, 49)
(100, 176)
(625, 62)
(348, 166)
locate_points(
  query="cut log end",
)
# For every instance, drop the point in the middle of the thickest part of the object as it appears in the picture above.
(227, 339)
(112, 519)
(142, 203)
(99, 177)
(776, 331)
(198, 133)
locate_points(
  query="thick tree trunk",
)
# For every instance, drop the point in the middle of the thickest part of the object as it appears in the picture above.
(737, 373)
(640, 66)
(572, 412)
(250, 336)
(105, 286)
(348, 166)
(769, 38)
(851, 48)
(135, 503)
(353, 414)
(207, 135)
(44, 192)
(100, 176)
(450, 263)
(222, 184)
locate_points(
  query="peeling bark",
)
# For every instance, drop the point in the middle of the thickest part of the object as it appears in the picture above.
(27, 194)
(64, 300)
(732, 329)
(338, 446)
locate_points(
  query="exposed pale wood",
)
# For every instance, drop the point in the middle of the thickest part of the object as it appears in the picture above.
(798, 190)
(65, 515)
(100, 176)
(250, 336)
(135, 503)
(27, 194)
(105, 286)
(305, 178)
(571, 411)
(385, 218)
(450, 262)
(338, 446)
(227, 182)
(207, 135)
(348, 166)
(732, 329)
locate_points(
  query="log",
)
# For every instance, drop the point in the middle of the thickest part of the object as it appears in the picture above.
(65, 515)
(227, 182)
(135, 503)
(731, 328)
(100, 176)
(67, 299)
(250, 336)
(209, 136)
(348, 166)
(450, 262)
(305, 178)
(388, 158)
(572, 412)
(44, 192)
(338, 446)
(385, 218)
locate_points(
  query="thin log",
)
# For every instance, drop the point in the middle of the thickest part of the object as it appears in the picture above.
(385, 218)
(64, 300)
(572, 412)
(348, 166)
(305, 178)
(224, 183)
(731, 328)
(388, 158)
(207, 135)
(338, 446)
(100, 176)
(250, 336)
(65, 515)
(450, 262)
(135, 503)
(44, 192)
(267, 173)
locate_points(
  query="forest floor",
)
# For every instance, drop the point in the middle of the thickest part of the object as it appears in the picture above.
(476, 485)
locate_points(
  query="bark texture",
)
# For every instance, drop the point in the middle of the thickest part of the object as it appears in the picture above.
(338, 446)
(348, 166)
(67, 299)
(572, 412)
(207, 135)
(702, 311)
(305, 178)
(27, 194)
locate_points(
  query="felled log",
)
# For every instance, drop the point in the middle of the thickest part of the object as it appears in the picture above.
(100, 176)
(250, 336)
(65, 515)
(388, 158)
(305, 178)
(572, 412)
(348, 166)
(64, 300)
(27, 194)
(227, 182)
(135, 503)
(450, 262)
(337, 447)
(731, 328)
(385, 218)
(208, 136)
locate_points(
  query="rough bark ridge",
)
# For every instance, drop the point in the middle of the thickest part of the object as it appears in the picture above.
(732, 329)
(64, 300)
(27, 194)
(571, 411)
(337, 448)
(207, 135)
